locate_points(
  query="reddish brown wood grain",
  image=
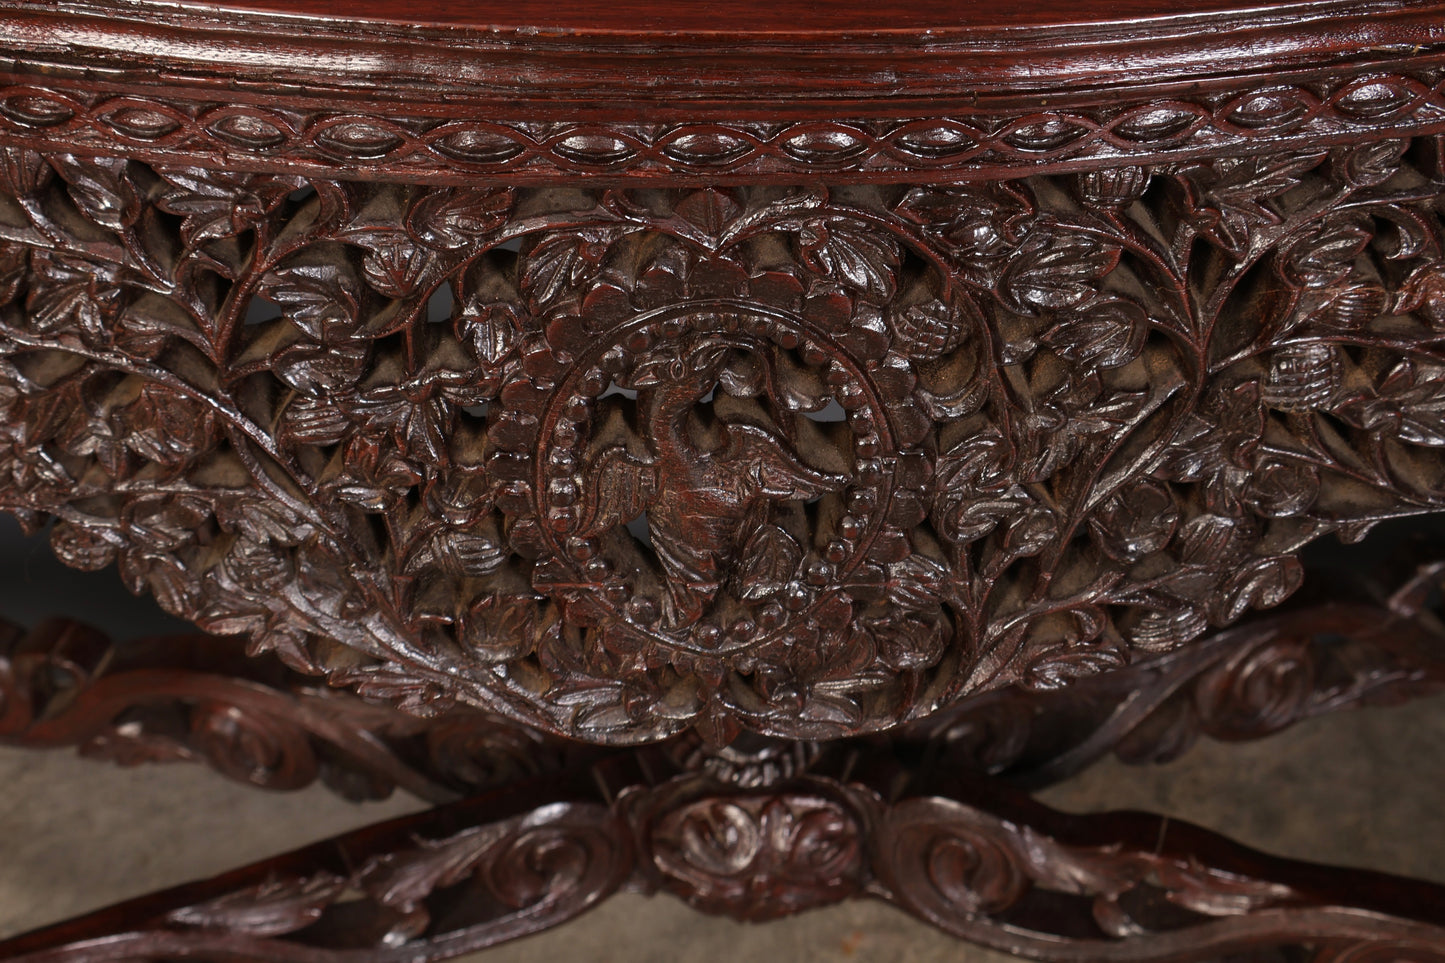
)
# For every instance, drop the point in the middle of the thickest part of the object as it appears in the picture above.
(647, 372)
(602, 61)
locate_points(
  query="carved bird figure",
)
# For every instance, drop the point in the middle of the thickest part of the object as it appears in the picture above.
(697, 499)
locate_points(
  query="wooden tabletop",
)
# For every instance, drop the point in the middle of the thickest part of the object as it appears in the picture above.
(644, 58)
(763, 18)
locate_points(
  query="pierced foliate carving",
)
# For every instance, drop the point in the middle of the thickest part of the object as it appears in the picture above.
(617, 463)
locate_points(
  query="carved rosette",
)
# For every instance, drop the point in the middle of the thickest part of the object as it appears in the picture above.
(756, 856)
(617, 463)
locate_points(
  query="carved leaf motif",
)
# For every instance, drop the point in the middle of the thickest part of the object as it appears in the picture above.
(1053, 434)
(418, 416)
(1369, 165)
(1219, 893)
(71, 293)
(1218, 446)
(103, 190)
(1424, 291)
(1057, 269)
(288, 642)
(316, 297)
(771, 558)
(1058, 668)
(1208, 540)
(905, 642)
(126, 748)
(975, 490)
(1028, 534)
(1410, 404)
(709, 210)
(979, 222)
(917, 583)
(866, 262)
(1262, 584)
(375, 475)
(505, 627)
(460, 216)
(558, 264)
(1326, 253)
(217, 204)
(491, 330)
(23, 172)
(260, 519)
(1106, 331)
(164, 578)
(1160, 631)
(393, 264)
(399, 685)
(269, 909)
(1231, 197)
(84, 548)
(404, 880)
(167, 427)
(14, 264)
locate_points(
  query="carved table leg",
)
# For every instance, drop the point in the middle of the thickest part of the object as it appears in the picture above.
(430, 886)
(201, 698)
(959, 851)
(1239, 684)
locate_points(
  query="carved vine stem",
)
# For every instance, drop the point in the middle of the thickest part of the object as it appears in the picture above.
(1243, 683)
(807, 462)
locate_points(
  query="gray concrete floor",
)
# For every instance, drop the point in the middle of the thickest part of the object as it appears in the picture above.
(1362, 788)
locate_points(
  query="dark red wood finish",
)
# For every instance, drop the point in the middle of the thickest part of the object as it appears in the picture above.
(741, 379)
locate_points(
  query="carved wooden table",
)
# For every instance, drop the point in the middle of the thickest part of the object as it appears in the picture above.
(730, 450)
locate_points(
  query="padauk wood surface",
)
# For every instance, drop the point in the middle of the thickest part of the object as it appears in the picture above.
(699, 375)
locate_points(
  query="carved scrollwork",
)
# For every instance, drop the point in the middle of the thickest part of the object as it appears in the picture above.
(995, 882)
(757, 856)
(517, 876)
(805, 462)
(199, 699)
(1006, 873)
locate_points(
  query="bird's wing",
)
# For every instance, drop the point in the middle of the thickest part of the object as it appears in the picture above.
(622, 487)
(769, 469)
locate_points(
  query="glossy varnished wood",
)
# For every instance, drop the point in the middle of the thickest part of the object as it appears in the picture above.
(590, 61)
(740, 380)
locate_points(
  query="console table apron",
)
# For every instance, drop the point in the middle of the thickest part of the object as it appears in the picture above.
(733, 450)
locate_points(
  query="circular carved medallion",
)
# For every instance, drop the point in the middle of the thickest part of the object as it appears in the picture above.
(709, 478)
(724, 485)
